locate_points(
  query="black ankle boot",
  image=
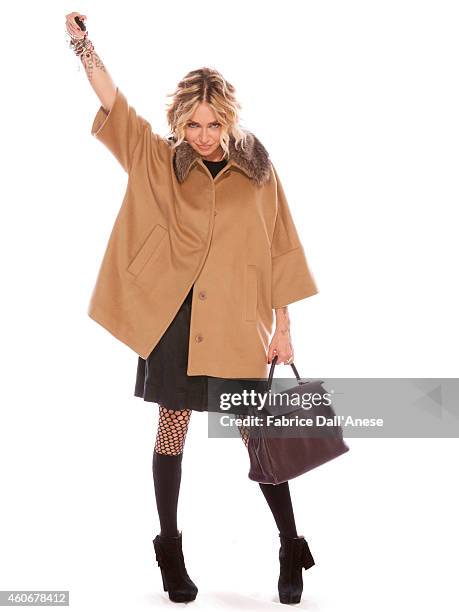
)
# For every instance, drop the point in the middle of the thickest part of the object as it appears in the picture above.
(294, 554)
(169, 556)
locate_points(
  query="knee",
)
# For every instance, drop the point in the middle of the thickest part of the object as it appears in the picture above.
(172, 430)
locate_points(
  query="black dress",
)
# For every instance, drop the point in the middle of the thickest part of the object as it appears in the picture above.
(162, 377)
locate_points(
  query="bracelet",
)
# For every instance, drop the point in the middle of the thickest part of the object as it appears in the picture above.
(82, 46)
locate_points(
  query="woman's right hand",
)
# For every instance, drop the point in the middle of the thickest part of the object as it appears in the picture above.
(95, 69)
(72, 27)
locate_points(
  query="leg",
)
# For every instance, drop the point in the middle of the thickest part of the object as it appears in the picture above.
(167, 465)
(280, 503)
(244, 431)
(172, 430)
(277, 497)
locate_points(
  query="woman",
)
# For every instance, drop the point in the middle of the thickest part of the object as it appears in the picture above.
(203, 250)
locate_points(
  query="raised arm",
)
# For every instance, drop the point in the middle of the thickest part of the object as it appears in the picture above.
(97, 74)
(116, 123)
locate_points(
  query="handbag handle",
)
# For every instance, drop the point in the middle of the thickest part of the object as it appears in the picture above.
(271, 372)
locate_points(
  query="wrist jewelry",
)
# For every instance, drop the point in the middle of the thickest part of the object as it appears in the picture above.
(82, 46)
(84, 49)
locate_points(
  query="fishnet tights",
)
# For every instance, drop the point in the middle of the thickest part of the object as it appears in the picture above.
(244, 431)
(172, 430)
(170, 439)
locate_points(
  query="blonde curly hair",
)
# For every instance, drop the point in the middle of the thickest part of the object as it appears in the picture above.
(205, 85)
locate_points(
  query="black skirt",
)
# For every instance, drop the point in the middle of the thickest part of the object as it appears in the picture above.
(162, 377)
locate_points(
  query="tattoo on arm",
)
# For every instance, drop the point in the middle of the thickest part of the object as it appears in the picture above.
(283, 320)
(90, 60)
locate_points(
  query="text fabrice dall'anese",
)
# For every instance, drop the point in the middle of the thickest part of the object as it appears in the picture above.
(296, 421)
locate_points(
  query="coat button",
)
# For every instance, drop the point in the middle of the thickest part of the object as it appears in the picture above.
(202, 295)
(215, 212)
(199, 338)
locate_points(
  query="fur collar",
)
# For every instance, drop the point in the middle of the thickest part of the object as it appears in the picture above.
(254, 160)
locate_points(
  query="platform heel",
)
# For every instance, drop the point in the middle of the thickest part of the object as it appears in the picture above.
(169, 556)
(294, 555)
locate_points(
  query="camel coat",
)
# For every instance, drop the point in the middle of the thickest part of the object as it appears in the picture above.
(232, 236)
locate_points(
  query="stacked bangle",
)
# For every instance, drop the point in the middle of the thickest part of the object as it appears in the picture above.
(82, 46)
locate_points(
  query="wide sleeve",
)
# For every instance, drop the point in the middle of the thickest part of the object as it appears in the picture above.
(120, 129)
(291, 278)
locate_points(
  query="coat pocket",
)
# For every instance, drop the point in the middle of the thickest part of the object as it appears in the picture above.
(251, 293)
(147, 249)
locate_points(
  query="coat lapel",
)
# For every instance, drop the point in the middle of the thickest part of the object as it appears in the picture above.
(254, 160)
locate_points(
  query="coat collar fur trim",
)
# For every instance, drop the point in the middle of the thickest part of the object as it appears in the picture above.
(253, 160)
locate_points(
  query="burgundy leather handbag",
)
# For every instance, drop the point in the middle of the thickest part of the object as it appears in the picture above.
(281, 452)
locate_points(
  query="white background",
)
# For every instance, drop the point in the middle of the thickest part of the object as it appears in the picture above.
(357, 103)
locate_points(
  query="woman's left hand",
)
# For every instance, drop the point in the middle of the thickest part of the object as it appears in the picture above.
(281, 346)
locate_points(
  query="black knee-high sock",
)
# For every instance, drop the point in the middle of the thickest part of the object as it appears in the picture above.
(167, 473)
(280, 503)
